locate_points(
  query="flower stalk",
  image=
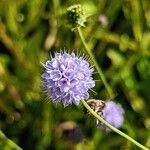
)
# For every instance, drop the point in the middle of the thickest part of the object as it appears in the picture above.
(109, 90)
(9, 142)
(111, 127)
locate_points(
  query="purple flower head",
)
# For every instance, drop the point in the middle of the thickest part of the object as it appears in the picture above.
(67, 78)
(113, 114)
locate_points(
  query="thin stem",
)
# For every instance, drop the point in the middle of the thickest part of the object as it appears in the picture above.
(109, 90)
(113, 128)
(9, 142)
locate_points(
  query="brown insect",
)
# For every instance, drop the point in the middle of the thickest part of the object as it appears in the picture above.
(96, 105)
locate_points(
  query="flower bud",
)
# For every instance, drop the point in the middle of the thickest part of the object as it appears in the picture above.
(76, 16)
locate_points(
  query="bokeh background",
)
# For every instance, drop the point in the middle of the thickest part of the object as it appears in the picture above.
(117, 31)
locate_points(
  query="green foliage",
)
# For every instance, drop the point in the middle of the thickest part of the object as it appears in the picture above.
(32, 29)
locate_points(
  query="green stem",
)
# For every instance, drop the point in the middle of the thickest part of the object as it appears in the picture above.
(113, 128)
(109, 90)
(9, 142)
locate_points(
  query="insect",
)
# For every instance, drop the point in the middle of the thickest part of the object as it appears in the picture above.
(96, 105)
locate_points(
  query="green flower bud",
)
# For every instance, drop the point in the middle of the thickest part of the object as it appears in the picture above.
(76, 16)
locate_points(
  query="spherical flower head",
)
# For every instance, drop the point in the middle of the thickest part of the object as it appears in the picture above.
(113, 114)
(76, 16)
(67, 78)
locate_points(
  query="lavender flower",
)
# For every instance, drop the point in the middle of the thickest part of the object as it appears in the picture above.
(67, 78)
(113, 114)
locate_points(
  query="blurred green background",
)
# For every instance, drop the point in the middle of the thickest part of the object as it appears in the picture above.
(117, 31)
